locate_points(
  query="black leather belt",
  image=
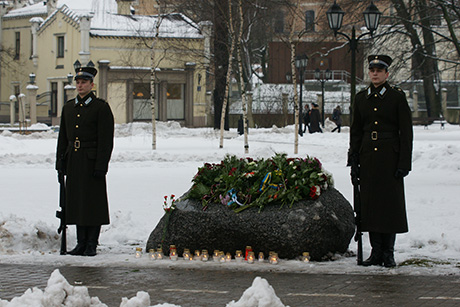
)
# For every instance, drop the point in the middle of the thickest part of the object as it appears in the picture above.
(382, 135)
(80, 144)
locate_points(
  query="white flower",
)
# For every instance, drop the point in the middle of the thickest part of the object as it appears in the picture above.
(318, 190)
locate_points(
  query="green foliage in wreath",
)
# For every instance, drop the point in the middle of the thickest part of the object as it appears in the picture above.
(241, 183)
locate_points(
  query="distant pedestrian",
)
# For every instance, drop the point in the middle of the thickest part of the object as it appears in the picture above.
(315, 119)
(337, 118)
(306, 118)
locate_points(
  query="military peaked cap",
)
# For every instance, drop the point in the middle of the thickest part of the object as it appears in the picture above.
(87, 73)
(380, 61)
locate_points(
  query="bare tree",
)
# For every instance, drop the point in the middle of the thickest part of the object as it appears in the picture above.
(153, 77)
(417, 22)
(229, 73)
(242, 83)
(293, 40)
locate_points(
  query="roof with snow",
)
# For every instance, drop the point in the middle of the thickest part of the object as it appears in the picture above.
(106, 22)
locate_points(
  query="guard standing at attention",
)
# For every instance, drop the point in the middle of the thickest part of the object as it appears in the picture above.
(84, 148)
(380, 157)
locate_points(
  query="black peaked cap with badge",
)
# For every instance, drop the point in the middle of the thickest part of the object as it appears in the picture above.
(87, 73)
(379, 61)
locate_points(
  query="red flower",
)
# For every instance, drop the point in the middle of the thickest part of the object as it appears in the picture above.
(230, 173)
(313, 194)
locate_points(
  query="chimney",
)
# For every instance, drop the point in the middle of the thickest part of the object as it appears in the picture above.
(124, 7)
(50, 6)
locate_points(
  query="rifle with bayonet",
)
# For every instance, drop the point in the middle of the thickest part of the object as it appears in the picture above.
(61, 214)
(354, 163)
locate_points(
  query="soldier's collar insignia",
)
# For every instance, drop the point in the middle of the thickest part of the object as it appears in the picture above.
(86, 102)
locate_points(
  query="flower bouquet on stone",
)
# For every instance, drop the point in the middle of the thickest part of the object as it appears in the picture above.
(241, 183)
(169, 204)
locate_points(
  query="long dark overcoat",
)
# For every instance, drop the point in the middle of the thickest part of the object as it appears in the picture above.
(85, 143)
(381, 132)
(315, 119)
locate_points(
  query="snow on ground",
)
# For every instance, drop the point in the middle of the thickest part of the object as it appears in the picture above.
(140, 177)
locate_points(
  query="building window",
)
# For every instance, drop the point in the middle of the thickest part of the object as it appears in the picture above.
(310, 21)
(60, 46)
(17, 92)
(142, 108)
(17, 46)
(54, 99)
(279, 22)
(31, 45)
(175, 108)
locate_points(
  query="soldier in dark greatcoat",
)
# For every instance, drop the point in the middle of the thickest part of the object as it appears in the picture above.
(381, 156)
(84, 148)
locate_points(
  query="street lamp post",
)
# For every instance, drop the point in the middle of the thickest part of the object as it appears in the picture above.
(32, 78)
(322, 77)
(371, 18)
(301, 62)
(76, 65)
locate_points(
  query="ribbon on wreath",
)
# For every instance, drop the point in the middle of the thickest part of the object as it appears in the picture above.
(230, 198)
(266, 183)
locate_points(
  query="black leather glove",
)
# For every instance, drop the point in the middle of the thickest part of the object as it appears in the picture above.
(355, 175)
(99, 173)
(60, 177)
(401, 173)
(61, 164)
(353, 161)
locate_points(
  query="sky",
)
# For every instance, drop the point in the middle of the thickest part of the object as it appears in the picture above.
(139, 178)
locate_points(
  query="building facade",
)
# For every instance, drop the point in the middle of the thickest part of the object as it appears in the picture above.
(47, 39)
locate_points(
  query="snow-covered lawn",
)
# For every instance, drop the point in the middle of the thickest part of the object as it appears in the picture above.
(139, 178)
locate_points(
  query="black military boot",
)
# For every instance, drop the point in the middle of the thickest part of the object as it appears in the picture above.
(388, 249)
(376, 257)
(93, 237)
(81, 242)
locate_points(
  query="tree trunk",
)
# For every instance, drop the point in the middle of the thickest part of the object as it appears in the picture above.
(153, 78)
(453, 36)
(229, 75)
(244, 99)
(426, 66)
(220, 61)
(296, 100)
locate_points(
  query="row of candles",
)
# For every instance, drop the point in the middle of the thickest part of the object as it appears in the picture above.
(217, 256)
